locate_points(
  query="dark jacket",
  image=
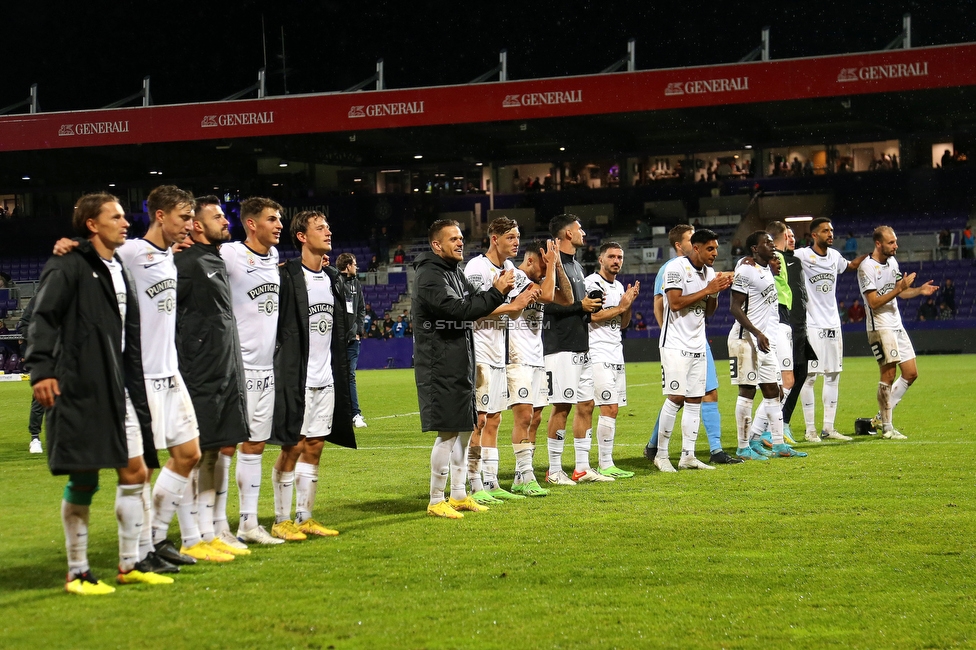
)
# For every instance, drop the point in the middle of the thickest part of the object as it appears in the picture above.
(564, 327)
(794, 274)
(356, 319)
(444, 307)
(291, 361)
(209, 348)
(75, 337)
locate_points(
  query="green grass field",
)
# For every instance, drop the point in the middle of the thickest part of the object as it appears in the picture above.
(861, 545)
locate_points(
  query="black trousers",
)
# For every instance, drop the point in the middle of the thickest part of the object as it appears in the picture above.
(802, 353)
(36, 418)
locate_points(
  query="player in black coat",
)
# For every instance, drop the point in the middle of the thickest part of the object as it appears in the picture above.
(81, 373)
(300, 454)
(445, 306)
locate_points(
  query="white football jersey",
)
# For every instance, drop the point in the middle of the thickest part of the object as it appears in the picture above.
(489, 334)
(685, 329)
(605, 345)
(882, 278)
(820, 274)
(321, 311)
(254, 287)
(154, 273)
(525, 332)
(761, 305)
(118, 283)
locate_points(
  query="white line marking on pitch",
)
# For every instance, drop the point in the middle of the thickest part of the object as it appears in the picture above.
(401, 415)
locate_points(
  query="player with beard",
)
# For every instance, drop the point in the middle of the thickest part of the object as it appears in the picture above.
(752, 347)
(491, 385)
(98, 415)
(252, 269)
(312, 403)
(607, 350)
(882, 284)
(821, 265)
(209, 354)
(525, 369)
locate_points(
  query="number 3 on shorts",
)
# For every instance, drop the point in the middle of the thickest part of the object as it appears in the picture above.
(734, 368)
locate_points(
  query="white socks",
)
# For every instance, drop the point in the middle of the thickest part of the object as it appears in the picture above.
(474, 468)
(806, 402)
(489, 461)
(440, 467)
(690, 421)
(306, 485)
(523, 462)
(283, 484)
(669, 412)
(555, 449)
(220, 481)
(249, 487)
(830, 391)
(606, 428)
(167, 495)
(884, 405)
(187, 513)
(129, 514)
(774, 414)
(459, 452)
(75, 521)
(145, 533)
(206, 494)
(582, 448)
(898, 390)
(743, 415)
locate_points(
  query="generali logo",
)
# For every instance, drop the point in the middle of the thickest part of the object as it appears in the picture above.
(543, 99)
(94, 128)
(703, 86)
(890, 71)
(382, 110)
(237, 119)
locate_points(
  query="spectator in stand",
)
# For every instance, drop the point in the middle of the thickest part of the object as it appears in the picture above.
(387, 332)
(384, 246)
(945, 243)
(808, 168)
(387, 321)
(374, 331)
(408, 333)
(639, 324)
(374, 265)
(855, 313)
(643, 231)
(589, 260)
(399, 328)
(399, 255)
(850, 247)
(948, 295)
(842, 312)
(968, 243)
(737, 249)
(947, 159)
(406, 316)
(945, 312)
(928, 311)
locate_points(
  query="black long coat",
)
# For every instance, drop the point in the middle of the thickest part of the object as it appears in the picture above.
(209, 348)
(291, 360)
(444, 307)
(75, 336)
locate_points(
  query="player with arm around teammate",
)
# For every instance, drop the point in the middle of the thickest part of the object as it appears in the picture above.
(752, 347)
(882, 284)
(607, 350)
(528, 392)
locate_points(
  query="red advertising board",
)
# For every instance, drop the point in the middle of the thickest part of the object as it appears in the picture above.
(648, 90)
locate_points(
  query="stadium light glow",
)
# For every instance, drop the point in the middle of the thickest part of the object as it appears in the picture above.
(802, 217)
(418, 156)
(562, 148)
(111, 184)
(25, 177)
(283, 163)
(748, 146)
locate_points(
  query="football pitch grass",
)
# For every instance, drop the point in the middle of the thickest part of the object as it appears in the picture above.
(865, 544)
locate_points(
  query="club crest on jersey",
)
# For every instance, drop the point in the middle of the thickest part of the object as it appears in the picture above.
(149, 257)
(250, 260)
(166, 306)
(321, 327)
(160, 287)
(477, 281)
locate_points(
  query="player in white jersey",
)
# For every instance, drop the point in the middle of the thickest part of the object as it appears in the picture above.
(491, 387)
(252, 268)
(528, 392)
(691, 290)
(150, 261)
(821, 265)
(882, 284)
(312, 403)
(607, 350)
(752, 347)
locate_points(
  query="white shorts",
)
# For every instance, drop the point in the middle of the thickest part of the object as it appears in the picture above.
(260, 403)
(527, 385)
(891, 346)
(319, 409)
(750, 366)
(173, 418)
(490, 388)
(569, 376)
(683, 373)
(133, 430)
(609, 384)
(784, 347)
(828, 345)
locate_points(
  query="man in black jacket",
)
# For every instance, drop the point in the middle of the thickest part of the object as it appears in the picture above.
(311, 377)
(85, 363)
(445, 306)
(36, 410)
(209, 352)
(355, 311)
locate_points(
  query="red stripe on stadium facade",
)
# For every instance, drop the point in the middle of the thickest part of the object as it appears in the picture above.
(739, 83)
